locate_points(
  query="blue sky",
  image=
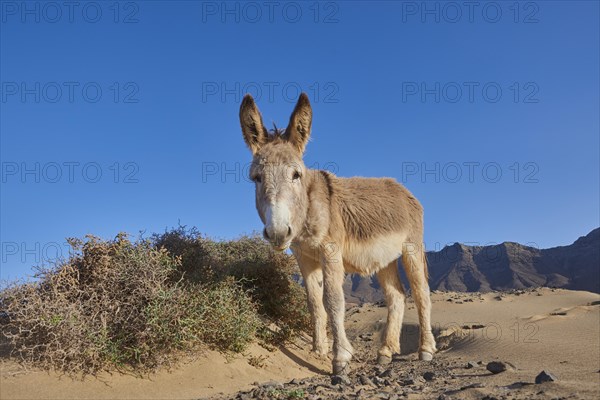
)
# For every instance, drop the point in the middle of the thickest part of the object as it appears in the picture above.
(125, 117)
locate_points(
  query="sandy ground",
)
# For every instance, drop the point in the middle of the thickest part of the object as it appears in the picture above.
(210, 374)
(544, 329)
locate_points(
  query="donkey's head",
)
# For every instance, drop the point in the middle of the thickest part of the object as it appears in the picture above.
(278, 170)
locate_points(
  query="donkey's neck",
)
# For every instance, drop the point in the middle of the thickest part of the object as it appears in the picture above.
(320, 192)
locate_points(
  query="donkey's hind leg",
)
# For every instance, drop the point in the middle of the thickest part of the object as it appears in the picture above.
(394, 298)
(413, 259)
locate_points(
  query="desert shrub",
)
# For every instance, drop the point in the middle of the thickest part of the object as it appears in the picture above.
(229, 316)
(268, 277)
(119, 303)
(266, 274)
(199, 260)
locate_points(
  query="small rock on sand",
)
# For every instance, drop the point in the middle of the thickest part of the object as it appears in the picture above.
(495, 367)
(387, 373)
(471, 364)
(545, 376)
(412, 380)
(364, 380)
(429, 375)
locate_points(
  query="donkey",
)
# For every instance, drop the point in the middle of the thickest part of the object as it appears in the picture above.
(334, 225)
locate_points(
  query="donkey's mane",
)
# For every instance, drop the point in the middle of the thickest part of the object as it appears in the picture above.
(275, 133)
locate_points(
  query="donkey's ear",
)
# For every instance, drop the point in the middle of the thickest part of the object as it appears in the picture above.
(298, 129)
(255, 134)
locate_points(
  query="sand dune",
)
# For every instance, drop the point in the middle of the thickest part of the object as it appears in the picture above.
(542, 329)
(210, 374)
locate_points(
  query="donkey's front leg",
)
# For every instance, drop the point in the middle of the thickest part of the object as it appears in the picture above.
(333, 295)
(312, 274)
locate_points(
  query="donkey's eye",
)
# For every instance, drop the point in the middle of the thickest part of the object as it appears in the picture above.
(257, 178)
(296, 176)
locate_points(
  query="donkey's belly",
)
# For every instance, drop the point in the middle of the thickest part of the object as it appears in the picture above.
(368, 257)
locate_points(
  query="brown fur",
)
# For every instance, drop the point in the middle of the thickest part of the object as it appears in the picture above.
(370, 206)
(335, 225)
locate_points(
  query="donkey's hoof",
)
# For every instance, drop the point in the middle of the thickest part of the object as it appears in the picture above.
(340, 380)
(383, 360)
(425, 356)
(340, 368)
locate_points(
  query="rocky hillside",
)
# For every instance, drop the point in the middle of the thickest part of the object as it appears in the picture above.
(505, 266)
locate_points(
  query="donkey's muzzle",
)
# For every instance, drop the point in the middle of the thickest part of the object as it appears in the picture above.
(279, 238)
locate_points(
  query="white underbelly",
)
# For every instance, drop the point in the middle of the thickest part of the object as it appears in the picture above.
(368, 257)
